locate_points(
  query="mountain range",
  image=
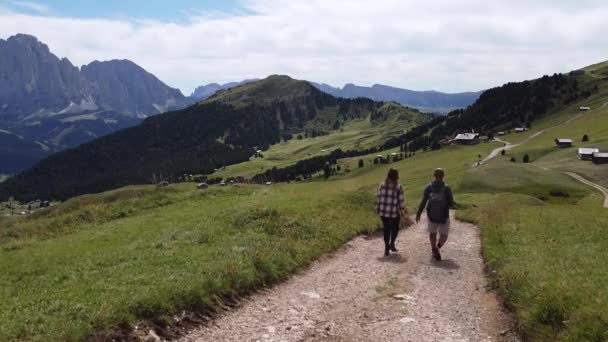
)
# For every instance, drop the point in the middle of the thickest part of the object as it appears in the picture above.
(47, 104)
(224, 129)
(232, 124)
(428, 101)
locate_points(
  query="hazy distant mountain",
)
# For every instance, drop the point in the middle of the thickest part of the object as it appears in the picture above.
(47, 104)
(430, 101)
(423, 100)
(206, 91)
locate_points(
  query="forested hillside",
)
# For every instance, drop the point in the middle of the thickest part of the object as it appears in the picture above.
(224, 130)
(516, 104)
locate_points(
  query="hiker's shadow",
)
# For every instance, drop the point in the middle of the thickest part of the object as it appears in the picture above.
(447, 264)
(394, 259)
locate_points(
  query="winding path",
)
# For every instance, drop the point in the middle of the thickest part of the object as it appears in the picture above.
(508, 146)
(602, 189)
(356, 294)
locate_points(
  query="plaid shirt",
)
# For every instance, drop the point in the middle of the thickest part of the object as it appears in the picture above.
(390, 200)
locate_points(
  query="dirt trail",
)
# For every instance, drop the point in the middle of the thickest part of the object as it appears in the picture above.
(508, 146)
(603, 190)
(357, 294)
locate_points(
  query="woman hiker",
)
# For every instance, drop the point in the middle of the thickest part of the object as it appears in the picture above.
(390, 203)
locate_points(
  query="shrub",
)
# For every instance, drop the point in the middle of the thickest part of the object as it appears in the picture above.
(502, 153)
(526, 159)
(513, 159)
(361, 163)
(559, 193)
(585, 138)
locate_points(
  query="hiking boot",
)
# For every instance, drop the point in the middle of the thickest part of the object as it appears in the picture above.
(436, 254)
(386, 251)
(393, 248)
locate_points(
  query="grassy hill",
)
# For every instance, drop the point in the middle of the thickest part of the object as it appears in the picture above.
(389, 121)
(224, 130)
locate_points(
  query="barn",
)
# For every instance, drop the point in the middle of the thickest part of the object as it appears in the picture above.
(586, 153)
(563, 142)
(600, 158)
(467, 138)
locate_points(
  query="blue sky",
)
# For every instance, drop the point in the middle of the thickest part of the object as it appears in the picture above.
(445, 45)
(165, 10)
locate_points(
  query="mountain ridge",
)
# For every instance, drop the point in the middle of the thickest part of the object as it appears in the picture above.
(427, 100)
(50, 102)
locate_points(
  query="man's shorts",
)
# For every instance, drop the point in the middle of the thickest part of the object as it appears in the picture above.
(441, 228)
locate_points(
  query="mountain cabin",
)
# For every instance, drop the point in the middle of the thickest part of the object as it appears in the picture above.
(584, 109)
(586, 153)
(563, 143)
(600, 158)
(467, 138)
(520, 129)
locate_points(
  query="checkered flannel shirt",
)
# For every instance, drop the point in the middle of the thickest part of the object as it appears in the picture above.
(390, 200)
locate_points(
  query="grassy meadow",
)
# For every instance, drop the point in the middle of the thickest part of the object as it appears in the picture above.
(543, 234)
(96, 262)
(355, 134)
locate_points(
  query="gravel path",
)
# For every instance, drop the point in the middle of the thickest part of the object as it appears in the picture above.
(603, 190)
(357, 294)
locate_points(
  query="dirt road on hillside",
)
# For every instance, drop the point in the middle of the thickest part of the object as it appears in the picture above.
(603, 190)
(508, 146)
(357, 294)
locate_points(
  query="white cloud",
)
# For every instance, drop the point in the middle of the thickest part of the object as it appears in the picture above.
(32, 6)
(436, 44)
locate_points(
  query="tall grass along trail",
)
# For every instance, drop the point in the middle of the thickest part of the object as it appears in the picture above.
(358, 295)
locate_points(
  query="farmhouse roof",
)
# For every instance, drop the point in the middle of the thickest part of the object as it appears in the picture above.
(587, 150)
(600, 154)
(467, 136)
(564, 141)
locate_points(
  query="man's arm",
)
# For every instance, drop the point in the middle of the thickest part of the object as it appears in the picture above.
(425, 199)
(451, 203)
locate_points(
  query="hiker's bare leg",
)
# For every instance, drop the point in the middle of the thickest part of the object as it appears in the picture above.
(442, 239)
(433, 238)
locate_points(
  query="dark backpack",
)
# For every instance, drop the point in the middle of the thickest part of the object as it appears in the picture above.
(438, 205)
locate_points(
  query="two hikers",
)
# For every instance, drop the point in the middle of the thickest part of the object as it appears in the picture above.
(437, 198)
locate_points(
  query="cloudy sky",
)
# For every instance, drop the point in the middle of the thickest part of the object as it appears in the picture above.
(446, 45)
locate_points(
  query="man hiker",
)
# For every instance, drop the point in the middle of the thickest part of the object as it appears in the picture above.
(439, 198)
(390, 204)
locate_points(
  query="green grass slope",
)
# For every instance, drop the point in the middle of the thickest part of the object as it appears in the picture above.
(543, 232)
(391, 120)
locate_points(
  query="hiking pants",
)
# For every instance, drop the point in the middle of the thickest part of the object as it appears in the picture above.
(391, 229)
